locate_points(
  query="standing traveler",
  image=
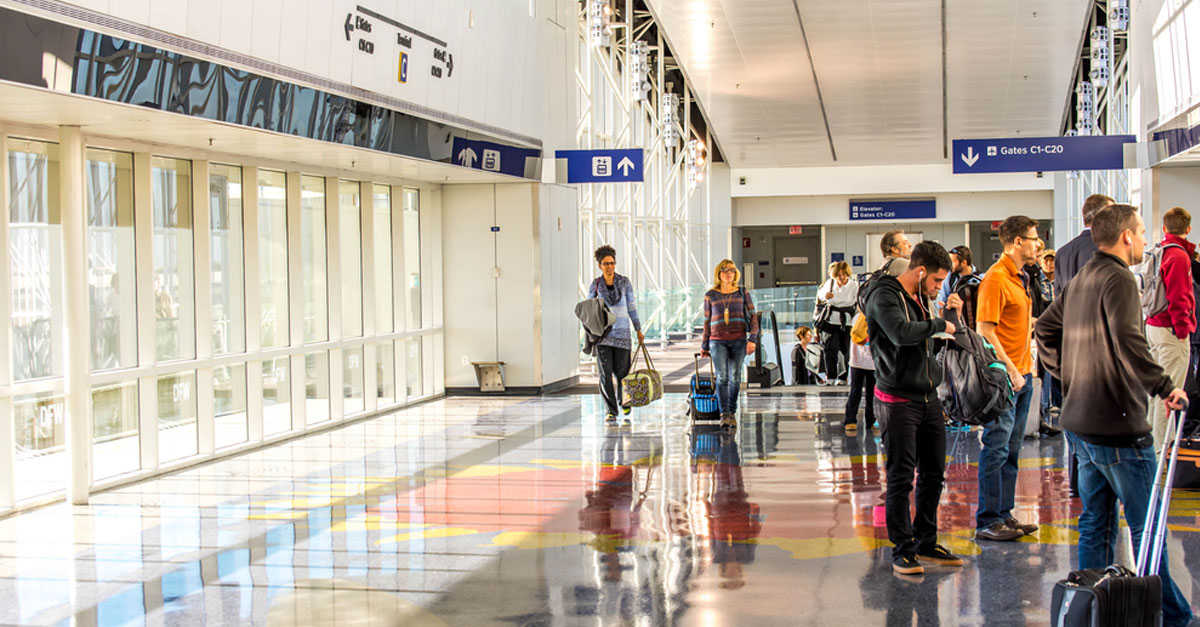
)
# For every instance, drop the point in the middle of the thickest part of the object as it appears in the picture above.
(901, 322)
(862, 378)
(1077, 252)
(1051, 387)
(615, 348)
(1168, 331)
(962, 273)
(1005, 320)
(801, 375)
(730, 333)
(1105, 365)
(838, 295)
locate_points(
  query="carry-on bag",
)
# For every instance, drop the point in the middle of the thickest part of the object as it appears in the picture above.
(1116, 596)
(641, 387)
(702, 394)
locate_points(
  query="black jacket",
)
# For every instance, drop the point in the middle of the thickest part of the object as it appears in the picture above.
(1071, 258)
(900, 331)
(1104, 364)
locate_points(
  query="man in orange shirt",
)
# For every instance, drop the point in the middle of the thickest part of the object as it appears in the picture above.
(1004, 318)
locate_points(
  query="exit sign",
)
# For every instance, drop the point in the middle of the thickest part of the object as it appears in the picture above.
(795, 230)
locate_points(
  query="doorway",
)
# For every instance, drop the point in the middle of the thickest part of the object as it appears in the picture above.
(798, 260)
(875, 256)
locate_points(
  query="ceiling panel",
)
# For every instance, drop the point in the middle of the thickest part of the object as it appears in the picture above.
(879, 66)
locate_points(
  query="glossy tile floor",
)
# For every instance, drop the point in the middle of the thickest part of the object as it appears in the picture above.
(472, 511)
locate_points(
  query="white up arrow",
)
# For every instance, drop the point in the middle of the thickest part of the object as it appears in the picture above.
(970, 158)
(625, 165)
(467, 156)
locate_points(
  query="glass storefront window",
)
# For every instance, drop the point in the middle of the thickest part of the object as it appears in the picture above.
(40, 435)
(116, 448)
(176, 416)
(350, 234)
(382, 203)
(273, 259)
(385, 374)
(353, 397)
(312, 258)
(316, 387)
(112, 278)
(228, 259)
(229, 405)
(412, 256)
(414, 373)
(277, 395)
(174, 296)
(35, 255)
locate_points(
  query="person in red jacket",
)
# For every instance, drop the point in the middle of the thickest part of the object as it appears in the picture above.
(1168, 331)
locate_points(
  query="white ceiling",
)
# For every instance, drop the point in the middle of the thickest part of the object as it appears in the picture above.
(221, 141)
(878, 63)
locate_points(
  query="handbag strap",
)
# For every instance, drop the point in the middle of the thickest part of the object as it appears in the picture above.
(646, 354)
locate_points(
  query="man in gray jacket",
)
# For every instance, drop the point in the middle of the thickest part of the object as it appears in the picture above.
(1106, 369)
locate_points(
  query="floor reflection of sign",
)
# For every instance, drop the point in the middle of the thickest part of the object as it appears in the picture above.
(795, 261)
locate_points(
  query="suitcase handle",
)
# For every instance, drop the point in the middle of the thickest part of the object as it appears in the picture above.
(711, 371)
(1155, 527)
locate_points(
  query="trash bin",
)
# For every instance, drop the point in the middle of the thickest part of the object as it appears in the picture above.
(489, 375)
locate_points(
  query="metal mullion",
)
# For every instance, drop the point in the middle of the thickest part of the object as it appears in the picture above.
(143, 220)
(252, 313)
(202, 269)
(333, 291)
(366, 191)
(7, 448)
(295, 299)
(399, 294)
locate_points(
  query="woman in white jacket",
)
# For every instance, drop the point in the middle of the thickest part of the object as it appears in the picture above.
(839, 294)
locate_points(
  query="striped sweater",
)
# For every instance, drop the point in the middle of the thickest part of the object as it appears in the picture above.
(729, 317)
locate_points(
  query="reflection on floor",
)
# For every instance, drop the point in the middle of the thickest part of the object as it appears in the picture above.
(474, 511)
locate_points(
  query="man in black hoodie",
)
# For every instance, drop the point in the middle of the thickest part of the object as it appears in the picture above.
(1091, 339)
(901, 322)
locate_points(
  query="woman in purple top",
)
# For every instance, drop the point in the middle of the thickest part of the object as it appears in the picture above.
(614, 350)
(730, 333)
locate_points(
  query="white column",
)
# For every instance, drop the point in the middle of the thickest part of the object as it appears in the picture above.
(76, 347)
(295, 299)
(202, 268)
(333, 269)
(254, 385)
(366, 194)
(6, 443)
(143, 221)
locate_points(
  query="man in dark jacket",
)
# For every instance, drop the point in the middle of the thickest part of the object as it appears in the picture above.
(901, 321)
(1074, 254)
(1106, 369)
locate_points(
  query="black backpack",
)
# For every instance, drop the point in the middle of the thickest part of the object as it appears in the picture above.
(975, 387)
(967, 289)
(865, 280)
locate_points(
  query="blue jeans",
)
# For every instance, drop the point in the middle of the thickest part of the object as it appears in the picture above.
(727, 358)
(1107, 475)
(1051, 395)
(998, 460)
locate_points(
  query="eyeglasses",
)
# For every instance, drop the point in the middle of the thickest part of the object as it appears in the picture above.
(608, 263)
(724, 270)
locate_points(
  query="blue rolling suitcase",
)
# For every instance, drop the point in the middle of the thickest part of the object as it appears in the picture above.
(702, 397)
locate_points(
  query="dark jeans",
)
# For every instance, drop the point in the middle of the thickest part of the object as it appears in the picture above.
(914, 439)
(998, 459)
(837, 342)
(1108, 475)
(861, 378)
(727, 358)
(614, 362)
(1051, 394)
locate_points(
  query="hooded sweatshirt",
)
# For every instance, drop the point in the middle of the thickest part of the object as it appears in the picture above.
(900, 329)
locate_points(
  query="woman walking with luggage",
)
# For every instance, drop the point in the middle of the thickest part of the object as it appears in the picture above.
(614, 349)
(837, 296)
(730, 333)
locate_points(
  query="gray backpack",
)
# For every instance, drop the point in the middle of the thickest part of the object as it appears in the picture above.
(1150, 280)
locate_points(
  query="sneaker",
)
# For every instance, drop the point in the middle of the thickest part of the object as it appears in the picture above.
(938, 554)
(907, 564)
(998, 532)
(610, 418)
(1048, 430)
(1025, 528)
(728, 421)
(625, 411)
(851, 428)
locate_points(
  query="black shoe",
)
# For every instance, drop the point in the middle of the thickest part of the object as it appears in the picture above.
(907, 564)
(1048, 430)
(998, 532)
(1025, 528)
(938, 554)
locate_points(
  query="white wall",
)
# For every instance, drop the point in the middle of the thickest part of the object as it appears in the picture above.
(868, 180)
(499, 48)
(1164, 60)
(525, 316)
(722, 245)
(835, 209)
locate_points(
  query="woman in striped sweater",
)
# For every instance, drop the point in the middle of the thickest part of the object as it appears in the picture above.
(730, 333)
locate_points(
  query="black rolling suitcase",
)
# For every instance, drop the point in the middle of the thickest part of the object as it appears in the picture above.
(702, 394)
(1117, 596)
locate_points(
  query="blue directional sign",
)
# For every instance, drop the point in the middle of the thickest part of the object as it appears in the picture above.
(836, 257)
(892, 209)
(492, 157)
(1040, 154)
(603, 166)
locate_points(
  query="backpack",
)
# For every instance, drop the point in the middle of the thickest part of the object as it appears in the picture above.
(975, 388)
(866, 278)
(1150, 280)
(968, 290)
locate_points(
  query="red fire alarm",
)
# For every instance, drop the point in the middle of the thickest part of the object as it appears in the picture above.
(745, 242)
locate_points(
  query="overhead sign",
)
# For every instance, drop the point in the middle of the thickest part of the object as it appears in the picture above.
(892, 209)
(492, 157)
(603, 166)
(858, 260)
(836, 257)
(1040, 154)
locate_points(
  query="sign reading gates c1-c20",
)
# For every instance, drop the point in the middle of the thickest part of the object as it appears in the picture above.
(892, 209)
(375, 34)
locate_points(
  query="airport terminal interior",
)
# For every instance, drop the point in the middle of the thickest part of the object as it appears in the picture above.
(291, 301)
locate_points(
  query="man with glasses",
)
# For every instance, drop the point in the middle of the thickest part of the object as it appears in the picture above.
(1004, 317)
